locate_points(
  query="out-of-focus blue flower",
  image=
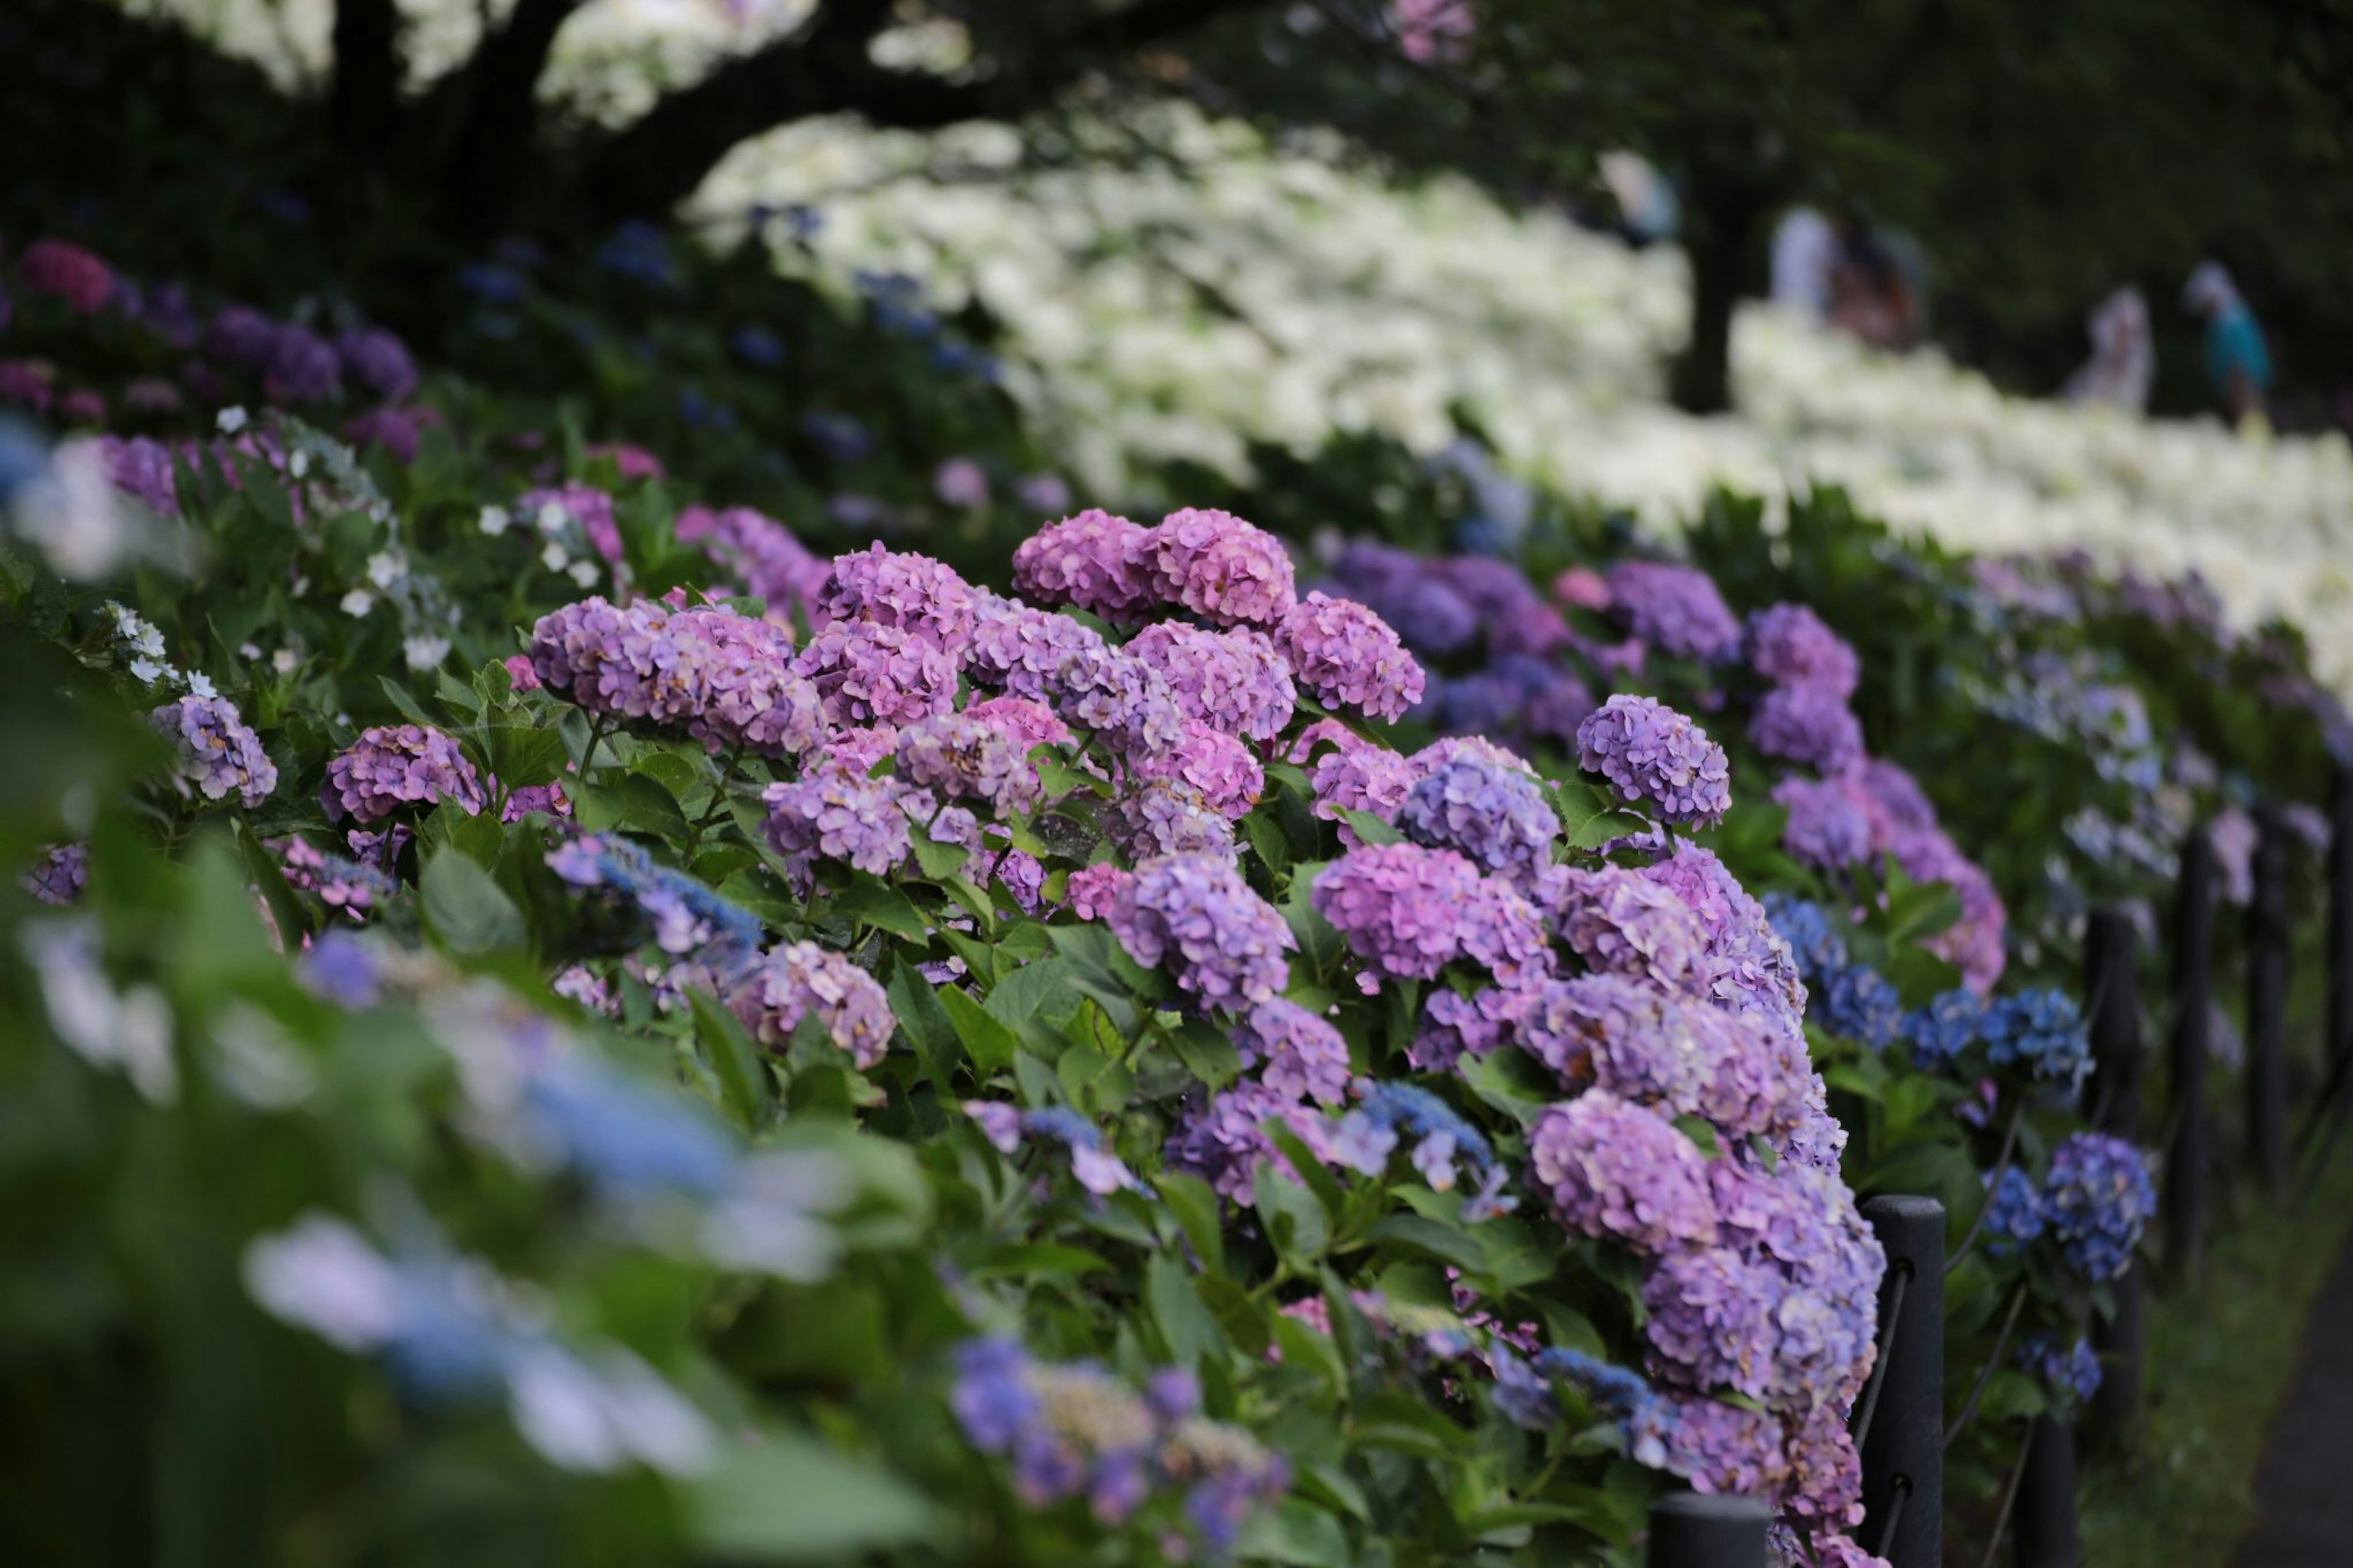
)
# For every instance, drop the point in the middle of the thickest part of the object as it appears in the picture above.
(642, 251)
(2042, 1031)
(756, 346)
(623, 1137)
(839, 434)
(2073, 1372)
(2014, 1213)
(493, 284)
(1946, 1028)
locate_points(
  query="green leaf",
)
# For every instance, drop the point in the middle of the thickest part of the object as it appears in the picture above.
(788, 1498)
(1700, 1131)
(522, 756)
(1194, 1204)
(405, 704)
(633, 802)
(928, 1026)
(1295, 1531)
(1185, 1322)
(1294, 1221)
(1370, 828)
(992, 1045)
(1207, 1053)
(735, 1060)
(466, 909)
(878, 904)
(1445, 1242)
(1040, 989)
(1400, 1421)
(939, 861)
(1028, 1258)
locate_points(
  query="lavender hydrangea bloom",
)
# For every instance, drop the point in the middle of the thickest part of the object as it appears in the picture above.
(593, 653)
(1790, 645)
(218, 755)
(1097, 561)
(140, 468)
(1222, 569)
(395, 768)
(2099, 1199)
(1027, 723)
(1233, 681)
(1225, 1141)
(1623, 922)
(889, 588)
(1675, 609)
(1398, 586)
(1214, 766)
(967, 759)
(1810, 725)
(1719, 1448)
(804, 979)
(1389, 1114)
(1020, 648)
(1360, 776)
(866, 673)
(739, 686)
(1680, 1056)
(1296, 1053)
(1750, 968)
(1224, 944)
(378, 360)
(301, 367)
(1110, 692)
(1615, 1170)
(1454, 1025)
(1399, 907)
(1093, 891)
(1166, 815)
(59, 874)
(1349, 657)
(1649, 752)
(1495, 816)
(836, 814)
(687, 916)
(1097, 1168)
(762, 552)
(1826, 829)
(1514, 616)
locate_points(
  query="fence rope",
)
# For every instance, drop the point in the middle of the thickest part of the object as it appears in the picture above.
(1887, 1321)
(1992, 1365)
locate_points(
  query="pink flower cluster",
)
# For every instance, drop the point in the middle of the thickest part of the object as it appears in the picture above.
(393, 769)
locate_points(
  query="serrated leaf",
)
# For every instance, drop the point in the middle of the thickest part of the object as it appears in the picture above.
(1370, 828)
(744, 1082)
(990, 1043)
(883, 907)
(465, 907)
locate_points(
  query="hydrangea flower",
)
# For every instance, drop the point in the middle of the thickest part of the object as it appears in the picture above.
(1221, 568)
(1020, 648)
(1946, 1028)
(966, 758)
(741, 688)
(687, 916)
(1398, 586)
(1788, 645)
(1349, 657)
(762, 552)
(64, 270)
(1649, 752)
(1233, 681)
(1091, 891)
(1749, 967)
(1217, 767)
(378, 361)
(803, 979)
(1097, 1168)
(1623, 922)
(1680, 1056)
(1359, 776)
(218, 755)
(837, 814)
(2072, 1373)
(1296, 1053)
(1810, 725)
(1166, 815)
(1026, 723)
(551, 507)
(889, 588)
(1389, 1115)
(1097, 561)
(140, 468)
(1110, 692)
(1493, 815)
(2042, 1031)
(395, 768)
(2099, 1199)
(1514, 616)
(1675, 609)
(1453, 1026)
(1400, 908)
(1224, 944)
(59, 874)
(2014, 1212)
(1614, 1171)
(866, 673)
(1826, 829)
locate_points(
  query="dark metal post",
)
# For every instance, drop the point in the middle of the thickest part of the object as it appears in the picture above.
(2193, 1012)
(2267, 1002)
(2111, 1014)
(1901, 1423)
(2340, 915)
(2046, 1497)
(1689, 1529)
(2122, 1343)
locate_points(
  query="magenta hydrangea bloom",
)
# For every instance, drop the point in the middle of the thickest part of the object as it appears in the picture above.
(891, 588)
(793, 982)
(1349, 657)
(1360, 777)
(1649, 752)
(1166, 816)
(1224, 944)
(59, 874)
(1623, 923)
(1110, 692)
(1099, 562)
(763, 553)
(866, 673)
(1826, 829)
(1233, 681)
(741, 688)
(65, 270)
(855, 751)
(1810, 725)
(1675, 609)
(1403, 910)
(966, 758)
(219, 756)
(1020, 648)
(835, 815)
(1790, 645)
(1614, 1171)
(1214, 764)
(1491, 812)
(397, 768)
(1296, 1053)
(1093, 891)
(1222, 569)
(379, 361)
(1027, 722)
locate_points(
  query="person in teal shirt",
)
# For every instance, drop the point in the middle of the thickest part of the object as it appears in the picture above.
(2238, 360)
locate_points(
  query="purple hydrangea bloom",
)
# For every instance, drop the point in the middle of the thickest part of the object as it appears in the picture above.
(1110, 692)
(913, 593)
(866, 673)
(219, 756)
(583, 505)
(1454, 1025)
(762, 552)
(855, 753)
(1390, 1114)
(1212, 764)
(1026, 722)
(1649, 752)
(1493, 813)
(1296, 1053)
(62, 871)
(1020, 648)
(1401, 909)
(1725, 1450)
(1514, 616)
(1221, 568)
(1398, 586)
(1225, 1141)
(1675, 609)
(1233, 681)
(686, 914)
(1615, 1170)
(395, 768)
(1621, 923)
(1680, 1056)
(1750, 968)
(301, 367)
(1097, 1168)
(1349, 657)
(1099, 562)
(1790, 645)
(1166, 815)
(140, 468)
(240, 335)
(741, 686)
(378, 360)
(2099, 1199)
(803, 978)
(967, 759)
(836, 814)
(1810, 725)
(1826, 829)
(1224, 944)
(1093, 891)
(1360, 776)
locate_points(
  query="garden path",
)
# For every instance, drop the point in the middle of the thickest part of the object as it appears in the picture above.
(2303, 1491)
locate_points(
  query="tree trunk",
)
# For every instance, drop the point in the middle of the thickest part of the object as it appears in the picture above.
(363, 103)
(1726, 216)
(492, 154)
